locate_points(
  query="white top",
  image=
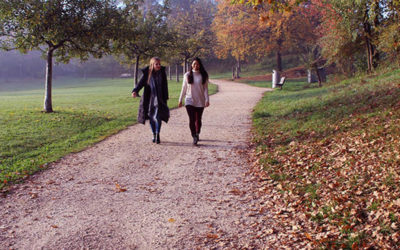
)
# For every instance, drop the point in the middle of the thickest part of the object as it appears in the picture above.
(196, 94)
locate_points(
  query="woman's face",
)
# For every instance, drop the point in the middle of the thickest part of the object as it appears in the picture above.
(157, 65)
(196, 65)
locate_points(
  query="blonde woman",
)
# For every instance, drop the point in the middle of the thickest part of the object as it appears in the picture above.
(195, 92)
(153, 103)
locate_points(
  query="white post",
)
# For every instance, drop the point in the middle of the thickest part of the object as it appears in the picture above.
(311, 77)
(275, 78)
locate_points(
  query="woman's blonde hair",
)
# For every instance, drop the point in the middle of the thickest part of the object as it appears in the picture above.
(153, 61)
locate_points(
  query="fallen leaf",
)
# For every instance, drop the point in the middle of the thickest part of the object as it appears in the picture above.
(212, 236)
(119, 188)
(308, 236)
(269, 231)
(235, 191)
(172, 220)
(397, 202)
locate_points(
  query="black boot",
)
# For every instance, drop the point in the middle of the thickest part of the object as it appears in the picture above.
(154, 138)
(198, 137)
(195, 140)
(158, 138)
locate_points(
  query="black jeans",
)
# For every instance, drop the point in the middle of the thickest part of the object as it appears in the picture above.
(195, 114)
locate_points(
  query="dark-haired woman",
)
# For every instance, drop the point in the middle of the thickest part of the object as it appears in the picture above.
(195, 91)
(153, 103)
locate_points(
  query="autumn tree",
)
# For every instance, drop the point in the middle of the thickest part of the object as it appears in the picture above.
(178, 6)
(276, 29)
(273, 5)
(60, 29)
(144, 32)
(389, 38)
(249, 32)
(306, 35)
(351, 31)
(354, 32)
(236, 30)
(173, 58)
(193, 36)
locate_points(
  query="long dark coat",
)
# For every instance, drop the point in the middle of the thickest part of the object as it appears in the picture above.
(163, 111)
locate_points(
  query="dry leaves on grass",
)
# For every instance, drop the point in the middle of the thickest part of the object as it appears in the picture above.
(342, 191)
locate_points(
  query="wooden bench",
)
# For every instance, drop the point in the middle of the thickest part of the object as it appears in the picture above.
(281, 82)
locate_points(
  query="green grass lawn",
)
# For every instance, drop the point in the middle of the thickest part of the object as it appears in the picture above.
(254, 69)
(268, 84)
(335, 153)
(86, 111)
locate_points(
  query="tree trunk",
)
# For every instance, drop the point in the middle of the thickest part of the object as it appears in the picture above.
(188, 64)
(318, 75)
(369, 45)
(233, 73)
(278, 55)
(177, 72)
(376, 54)
(278, 61)
(136, 69)
(169, 72)
(185, 66)
(370, 56)
(238, 69)
(48, 106)
(367, 30)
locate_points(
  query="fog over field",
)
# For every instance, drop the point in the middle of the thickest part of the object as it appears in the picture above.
(27, 71)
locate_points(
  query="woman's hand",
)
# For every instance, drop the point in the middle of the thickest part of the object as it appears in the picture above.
(179, 104)
(207, 104)
(134, 94)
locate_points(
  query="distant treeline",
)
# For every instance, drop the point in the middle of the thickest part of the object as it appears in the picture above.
(16, 65)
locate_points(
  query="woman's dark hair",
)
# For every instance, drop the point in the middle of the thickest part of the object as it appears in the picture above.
(203, 72)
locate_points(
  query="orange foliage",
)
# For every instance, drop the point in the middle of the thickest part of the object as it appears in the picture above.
(236, 29)
(243, 32)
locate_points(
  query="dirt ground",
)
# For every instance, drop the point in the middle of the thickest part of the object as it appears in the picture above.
(128, 193)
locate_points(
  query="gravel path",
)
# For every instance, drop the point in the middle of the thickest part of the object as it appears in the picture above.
(170, 196)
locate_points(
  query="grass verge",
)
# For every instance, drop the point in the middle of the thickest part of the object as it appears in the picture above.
(334, 154)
